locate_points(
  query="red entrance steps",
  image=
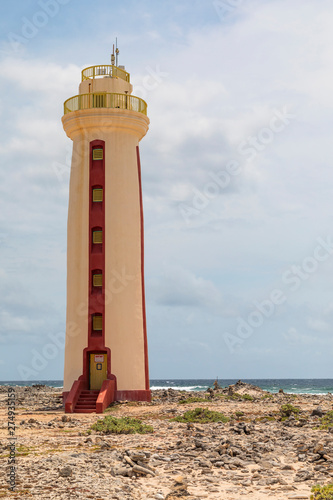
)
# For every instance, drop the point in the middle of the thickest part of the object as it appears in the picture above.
(81, 400)
(86, 402)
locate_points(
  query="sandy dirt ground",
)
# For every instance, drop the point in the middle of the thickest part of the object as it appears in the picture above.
(259, 453)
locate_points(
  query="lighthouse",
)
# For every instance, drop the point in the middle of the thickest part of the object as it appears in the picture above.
(106, 354)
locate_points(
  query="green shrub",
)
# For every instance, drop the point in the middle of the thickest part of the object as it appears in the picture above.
(193, 399)
(322, 492)
(235, 396)
(288, 410)
(327, 420)
(113, 407)
(239, 414)
(247, 397)
(122, 425)
(22, 450)
(265, 419)
(201, 416)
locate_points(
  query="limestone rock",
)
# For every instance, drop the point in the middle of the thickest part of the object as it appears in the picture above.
(317, 412)
(65, 472)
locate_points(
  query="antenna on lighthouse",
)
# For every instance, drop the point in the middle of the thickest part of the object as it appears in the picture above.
(117, 52)
(112, 57)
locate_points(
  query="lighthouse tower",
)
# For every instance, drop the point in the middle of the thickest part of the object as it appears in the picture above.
(106, 355)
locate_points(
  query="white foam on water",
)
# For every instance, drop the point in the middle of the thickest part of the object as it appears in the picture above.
(179, 388)
(302, 392)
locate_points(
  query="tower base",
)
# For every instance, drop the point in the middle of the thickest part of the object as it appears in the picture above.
(139, 395)
(123, 396)
(70, 401)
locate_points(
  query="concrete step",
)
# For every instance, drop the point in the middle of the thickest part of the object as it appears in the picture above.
(88, 399)
(85, 406)
(90, 402)
(79, 410)
(86, 402)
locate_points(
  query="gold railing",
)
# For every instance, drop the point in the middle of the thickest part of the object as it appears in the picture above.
(105, 70)
(105, 100)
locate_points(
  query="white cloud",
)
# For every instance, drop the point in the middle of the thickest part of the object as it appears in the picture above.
(178, 287)
(318, 325)
(38, 76)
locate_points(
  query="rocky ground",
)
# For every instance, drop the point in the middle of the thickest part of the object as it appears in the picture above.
(258, 454)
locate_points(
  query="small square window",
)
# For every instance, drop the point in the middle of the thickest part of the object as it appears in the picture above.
(97, 237)
(97, 195)
(98, 154)
(97, 322)
(98, 280)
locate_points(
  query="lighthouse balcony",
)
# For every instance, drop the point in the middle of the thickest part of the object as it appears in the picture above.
(105, 100)
(105, 70)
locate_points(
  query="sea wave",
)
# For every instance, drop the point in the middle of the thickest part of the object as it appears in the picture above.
(179, 387)
(312, 393)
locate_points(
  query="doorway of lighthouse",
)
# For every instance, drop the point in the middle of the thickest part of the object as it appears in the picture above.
(98, 371)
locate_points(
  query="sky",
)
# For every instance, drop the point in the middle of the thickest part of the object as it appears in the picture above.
(236, 171)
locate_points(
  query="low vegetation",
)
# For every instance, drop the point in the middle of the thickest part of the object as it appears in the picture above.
(239, 414)
(122, 425)
(288, 410)
(322, 492)
(113, 407)
(201, 416)
(265, 418)
(22, 450)
(247, 397)
(327, 420)
(193, 399)
(235, 397)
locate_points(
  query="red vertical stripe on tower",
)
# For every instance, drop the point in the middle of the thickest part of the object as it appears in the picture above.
(143, 273)
(96, 338)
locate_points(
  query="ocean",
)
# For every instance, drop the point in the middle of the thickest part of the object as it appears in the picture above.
(292, 386)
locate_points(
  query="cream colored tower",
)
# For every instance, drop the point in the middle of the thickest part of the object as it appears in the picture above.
(106, 336)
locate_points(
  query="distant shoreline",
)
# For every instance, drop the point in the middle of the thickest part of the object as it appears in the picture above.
(289, 386)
